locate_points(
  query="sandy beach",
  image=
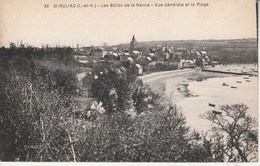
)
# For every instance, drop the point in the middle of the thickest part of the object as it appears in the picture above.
(193, 90)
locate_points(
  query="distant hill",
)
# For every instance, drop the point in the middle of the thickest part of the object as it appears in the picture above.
(229, 51)
(197, 44)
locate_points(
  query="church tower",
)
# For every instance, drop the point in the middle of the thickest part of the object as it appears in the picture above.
(133, 44)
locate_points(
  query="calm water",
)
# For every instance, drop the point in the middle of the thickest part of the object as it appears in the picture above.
(212, 91)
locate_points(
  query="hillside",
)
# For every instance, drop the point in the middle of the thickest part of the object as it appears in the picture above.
(230, 51)
(190, 44)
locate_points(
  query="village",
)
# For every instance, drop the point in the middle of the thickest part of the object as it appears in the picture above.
(145, 60)
(133, 82)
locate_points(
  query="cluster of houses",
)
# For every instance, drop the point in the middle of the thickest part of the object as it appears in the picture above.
(145, 59)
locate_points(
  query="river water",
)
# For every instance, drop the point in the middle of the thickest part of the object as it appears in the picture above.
(212, 91)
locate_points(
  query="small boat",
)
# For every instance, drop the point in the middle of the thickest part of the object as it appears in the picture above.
(252, 69)
(248, 81)
(244, 67)
(246, 78)
(224, 84)
(239, 82)
(233, 87)
(212, 105)
(216, 112)
(199, 79)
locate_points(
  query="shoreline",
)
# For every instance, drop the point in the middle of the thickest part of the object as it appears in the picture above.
(158, 80)
(192, 90)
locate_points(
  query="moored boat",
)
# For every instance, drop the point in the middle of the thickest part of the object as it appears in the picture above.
(224, 84)
(212, 105)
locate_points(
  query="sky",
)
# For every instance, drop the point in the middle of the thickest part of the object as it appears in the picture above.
(29, 21)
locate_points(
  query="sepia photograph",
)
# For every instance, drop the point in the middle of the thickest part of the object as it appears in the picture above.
(131, 81)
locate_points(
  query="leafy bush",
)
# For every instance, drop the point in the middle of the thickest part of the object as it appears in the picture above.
(158, 135)
(35, 116)
(112, 87)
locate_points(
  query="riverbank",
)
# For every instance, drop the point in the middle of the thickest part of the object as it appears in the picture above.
(193, 90)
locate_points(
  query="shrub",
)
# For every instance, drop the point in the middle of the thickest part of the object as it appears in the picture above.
(35, 119)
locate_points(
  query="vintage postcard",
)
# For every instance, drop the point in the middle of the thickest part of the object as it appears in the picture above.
(129, 81)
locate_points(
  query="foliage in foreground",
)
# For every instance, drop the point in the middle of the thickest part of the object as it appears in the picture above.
(35, 110)
(234, 133)
(39, 122)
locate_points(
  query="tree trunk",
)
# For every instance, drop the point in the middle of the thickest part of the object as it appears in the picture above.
(241, 153)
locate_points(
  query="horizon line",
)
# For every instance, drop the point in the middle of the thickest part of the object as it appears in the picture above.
(58, 44)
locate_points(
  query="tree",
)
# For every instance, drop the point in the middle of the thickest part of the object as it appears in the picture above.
(36, 120)
(161, 134)
(234, 132)
(143, 97)
(198, 148)
(111, 86)
(12, 45)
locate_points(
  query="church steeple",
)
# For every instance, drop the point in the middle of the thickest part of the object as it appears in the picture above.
(133, 39)
(133, 44)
